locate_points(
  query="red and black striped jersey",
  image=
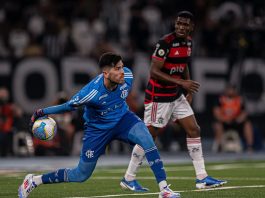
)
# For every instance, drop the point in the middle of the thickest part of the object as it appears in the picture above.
(175, 52)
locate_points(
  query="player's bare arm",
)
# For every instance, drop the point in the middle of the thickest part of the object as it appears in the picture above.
(189, 95)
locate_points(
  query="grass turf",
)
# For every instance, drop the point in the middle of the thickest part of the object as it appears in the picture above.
(243, 175)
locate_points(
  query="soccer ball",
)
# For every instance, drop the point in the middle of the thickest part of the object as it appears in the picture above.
(44, 128)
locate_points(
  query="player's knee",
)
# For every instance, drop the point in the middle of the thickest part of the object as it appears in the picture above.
(77, 175)
(81, 177)
(140, 135)
(84, 177)
(82, 172)
(146, 142)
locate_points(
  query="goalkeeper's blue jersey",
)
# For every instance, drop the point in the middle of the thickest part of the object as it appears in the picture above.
(103, 108)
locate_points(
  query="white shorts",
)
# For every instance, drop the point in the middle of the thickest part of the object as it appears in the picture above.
(159, 114)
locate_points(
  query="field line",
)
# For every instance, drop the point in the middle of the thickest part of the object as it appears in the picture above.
(203, 190)
(181, 178)
(190, 167)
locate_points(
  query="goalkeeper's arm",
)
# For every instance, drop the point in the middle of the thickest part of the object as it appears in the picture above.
(51, 110)
(58, 109)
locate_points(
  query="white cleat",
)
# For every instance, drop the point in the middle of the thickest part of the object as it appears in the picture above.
(26, 187)
(168, 193)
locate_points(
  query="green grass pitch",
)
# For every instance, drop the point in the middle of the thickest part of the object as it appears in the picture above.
(245, 179)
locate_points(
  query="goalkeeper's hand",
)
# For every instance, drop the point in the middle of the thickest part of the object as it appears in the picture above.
(37, 114)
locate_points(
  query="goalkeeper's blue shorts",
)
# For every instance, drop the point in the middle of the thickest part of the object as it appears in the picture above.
(130, 129)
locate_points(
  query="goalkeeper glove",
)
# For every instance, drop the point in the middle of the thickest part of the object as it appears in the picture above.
(37, 114)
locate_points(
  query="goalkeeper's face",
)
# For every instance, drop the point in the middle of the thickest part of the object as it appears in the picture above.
(115, 74)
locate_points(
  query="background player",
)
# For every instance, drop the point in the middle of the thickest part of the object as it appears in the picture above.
(165, 100)
(106, 118)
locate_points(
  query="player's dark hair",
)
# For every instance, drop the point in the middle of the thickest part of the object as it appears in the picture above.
(109, 59)
(186, 14)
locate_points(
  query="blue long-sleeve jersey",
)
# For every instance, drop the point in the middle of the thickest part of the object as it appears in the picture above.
(102, 108)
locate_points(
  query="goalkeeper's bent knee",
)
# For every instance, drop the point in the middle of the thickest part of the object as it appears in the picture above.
(82, 172)
(139, 134)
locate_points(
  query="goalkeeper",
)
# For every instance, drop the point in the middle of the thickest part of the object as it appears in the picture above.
(107, 118)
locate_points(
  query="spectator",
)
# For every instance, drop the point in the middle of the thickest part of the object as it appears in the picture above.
(231, 114)
(8, 112)
(18, 41)
(138, 29)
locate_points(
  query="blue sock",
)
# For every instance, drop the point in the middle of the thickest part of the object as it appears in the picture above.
(156, 164)
(55, 177)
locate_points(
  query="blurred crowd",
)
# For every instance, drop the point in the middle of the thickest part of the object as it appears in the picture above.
(16, 139)
(87, 28)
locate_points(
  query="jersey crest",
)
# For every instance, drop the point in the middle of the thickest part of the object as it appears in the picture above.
(124, 93)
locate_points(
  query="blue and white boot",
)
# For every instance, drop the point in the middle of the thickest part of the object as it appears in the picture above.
(209, 182)
(133, 186)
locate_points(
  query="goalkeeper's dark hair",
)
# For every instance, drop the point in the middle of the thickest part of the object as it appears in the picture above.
(186, 14)
(109, 59)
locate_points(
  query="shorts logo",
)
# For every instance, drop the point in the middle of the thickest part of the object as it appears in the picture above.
(90, 154)
(160, 120)
(161, 52)
(124, 93)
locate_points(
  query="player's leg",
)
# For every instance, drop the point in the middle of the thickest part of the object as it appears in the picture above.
(153, 111)
(140, 135)
(129, 180)
(194, 145)
(185, 116)
(131, 129)
(136, 161)
(93, 147)
(78, 174)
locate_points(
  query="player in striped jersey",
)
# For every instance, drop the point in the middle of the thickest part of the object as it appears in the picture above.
(107, 117)
(165, 100)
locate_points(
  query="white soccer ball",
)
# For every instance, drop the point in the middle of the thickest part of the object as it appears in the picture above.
(44, 128)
